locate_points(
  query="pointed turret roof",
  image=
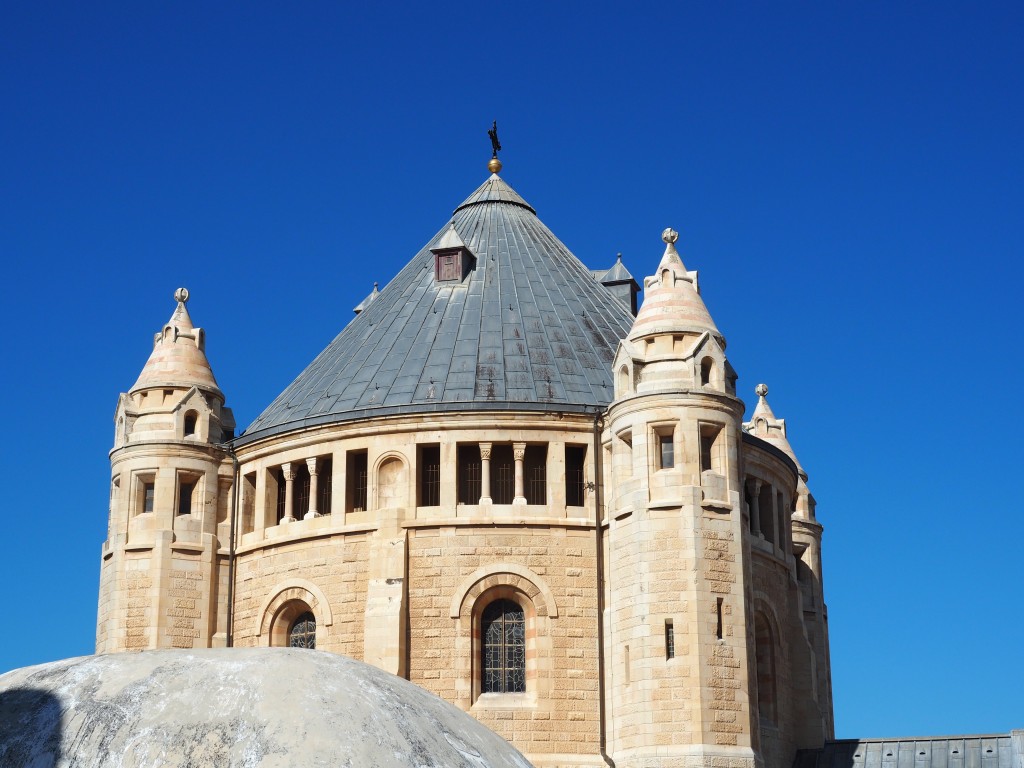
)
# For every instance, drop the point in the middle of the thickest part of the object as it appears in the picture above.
(672, 302)
(525, 328)
(764, 425)
(178, 358)
(617, 273)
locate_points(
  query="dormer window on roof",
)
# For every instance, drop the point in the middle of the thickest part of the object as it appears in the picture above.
(452, 259)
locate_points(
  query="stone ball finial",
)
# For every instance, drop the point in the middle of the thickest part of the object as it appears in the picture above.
(181, 295)
(669, 235)
(761, 390)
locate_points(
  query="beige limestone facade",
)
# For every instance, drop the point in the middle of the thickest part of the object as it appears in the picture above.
(637, 584)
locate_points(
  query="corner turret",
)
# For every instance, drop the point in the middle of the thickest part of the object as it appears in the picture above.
(678, 623)
(806, 537)
(162, 571)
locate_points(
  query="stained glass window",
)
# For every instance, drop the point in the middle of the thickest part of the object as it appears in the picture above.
(303, 632)
(503, 634)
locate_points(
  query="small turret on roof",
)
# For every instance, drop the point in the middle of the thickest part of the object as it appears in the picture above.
(619, 282)
(178, 358)
(764, 425)
(672, 302)
(366, 302)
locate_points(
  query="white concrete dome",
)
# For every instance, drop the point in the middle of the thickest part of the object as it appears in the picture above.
(258, 707)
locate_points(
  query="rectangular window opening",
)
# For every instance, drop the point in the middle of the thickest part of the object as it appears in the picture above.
(666, 449)
(281, 495)
(503, 474)
(718, 629)
(670, 640)
(535, 469)
(468, 473)
(300, 490)
(186, 487)
(709, 448)
(428, 463)
(325, 481)
(148, 493)
(575, 463)
(356, 480)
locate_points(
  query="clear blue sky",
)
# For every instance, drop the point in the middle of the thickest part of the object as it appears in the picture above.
(847, 177)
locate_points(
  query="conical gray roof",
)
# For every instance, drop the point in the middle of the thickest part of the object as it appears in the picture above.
(528, 328)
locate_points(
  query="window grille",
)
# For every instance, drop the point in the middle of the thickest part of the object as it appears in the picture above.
(469, 474)
(300, 491)
(430, 475)
(323, 488)
(670, 640)
(575, 459)
(503, 633)
(281, 513)
(503, 474)
(303, 632)
(357, 480)
(535, 467)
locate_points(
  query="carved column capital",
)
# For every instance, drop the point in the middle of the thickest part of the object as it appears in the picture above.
(485, 451)
(311, 465)
(519, 451)
(289, 471)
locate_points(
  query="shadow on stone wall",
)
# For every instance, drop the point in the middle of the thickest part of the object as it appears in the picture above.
(30, 728)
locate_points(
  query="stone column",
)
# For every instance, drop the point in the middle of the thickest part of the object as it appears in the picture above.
(755, 509)
(311, 464)
(519, 452)
(289, 490)
(485, 473)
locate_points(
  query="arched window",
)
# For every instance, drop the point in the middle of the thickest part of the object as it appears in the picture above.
(623, 380)
(707, 369)
(303, 632)
(190, 423)
(503, 636)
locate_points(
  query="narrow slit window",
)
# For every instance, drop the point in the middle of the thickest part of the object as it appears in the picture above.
(185, 489)
(670, 640)
(190, 423)
(666, 450)
(148, 496)
(718, 628)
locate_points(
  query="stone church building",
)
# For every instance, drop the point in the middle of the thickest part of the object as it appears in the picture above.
(506, 482)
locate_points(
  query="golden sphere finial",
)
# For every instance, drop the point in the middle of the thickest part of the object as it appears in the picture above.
(494, 166)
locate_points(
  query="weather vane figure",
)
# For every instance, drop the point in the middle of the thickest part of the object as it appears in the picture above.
(495, 144)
